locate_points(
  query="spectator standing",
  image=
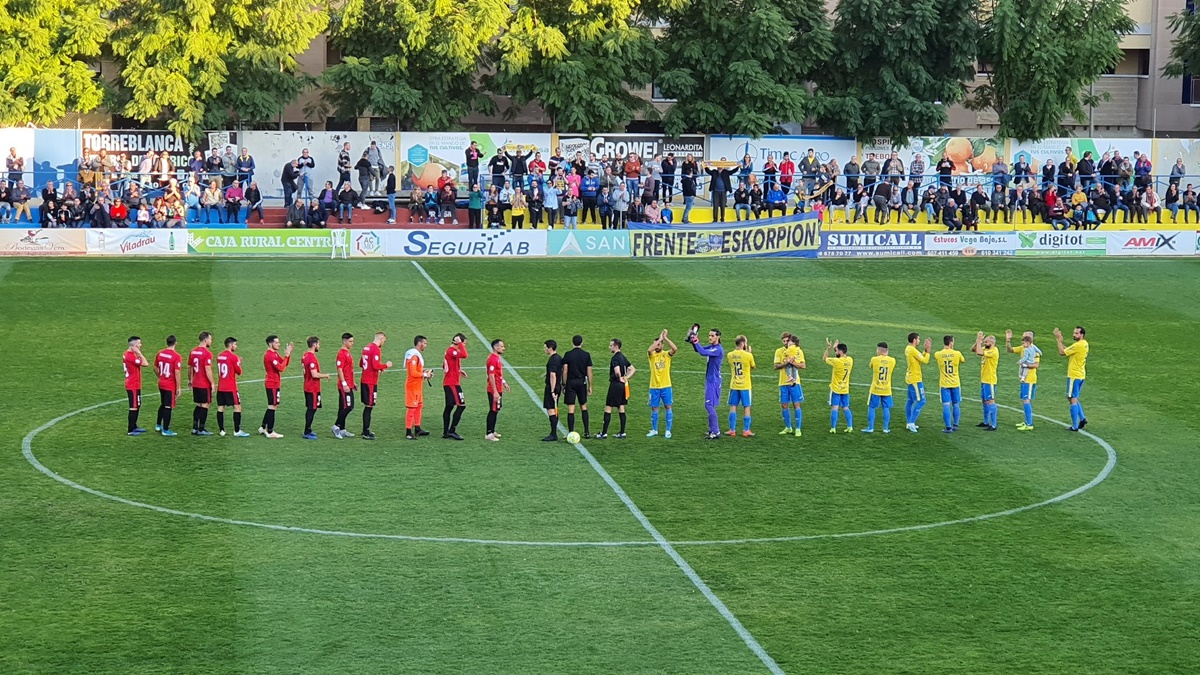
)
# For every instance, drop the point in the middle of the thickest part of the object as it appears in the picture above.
(719, 184)
(809, 168)
(498, 167)
(1048, 173)
(945, 169)
(689, 173)
(473, 155)
(364, 167)
(1000, 177)
(245, 168)
(289, 179)
(787, 173)
(475, 208)
(649, 189)
(378, 168)
(213, 165)
(620, 206)
(633, 172)
(228, 167)
(145, 172)
(196, 167)
(870, 170)
(571, 212)
(1142, 169)
(770, 174)
(1021, 170)
(1086, 170)
(519, 207)
(305, 165)
(344, 165)
(537, 205)
(1178, 171)
(519, 166)
(882, 200)
(916, 170)
(589, 189)
(14, 164)
(389, 189)
(6, 205)
(853, 175)
(745, 170)
(668, 178)
(894, 168)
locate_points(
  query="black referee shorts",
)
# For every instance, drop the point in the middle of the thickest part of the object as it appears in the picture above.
(550, 398)
(576, 391)
(616, 395)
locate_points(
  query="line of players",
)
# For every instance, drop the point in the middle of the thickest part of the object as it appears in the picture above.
(169, 368)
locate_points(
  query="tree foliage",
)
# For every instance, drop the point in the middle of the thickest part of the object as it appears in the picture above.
(202, 61)
(416, 61)
(577, 61)
(741, 66)
(1184, 59)
(45, 47)
(896, 67)
(1041, 56)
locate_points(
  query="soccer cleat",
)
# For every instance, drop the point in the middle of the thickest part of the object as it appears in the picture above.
(409, 437)
(368, 436)
(337, 433)
(310, 436)
(833, 430)
(455, 437)
(652, 433)
(158, 427)
(552, 438)
(168, 433)
(621, 435)
(491, 437)
(1072, 429)
(142, 431)
(947, 430)
(731, 432)
(421, 432)
(868, 431)
(204, 432)
(983, 425)
(241, 434)
(601, 435)
(195, 432)
(712, 436)
(586, 435)
(955, 427)
(272, 434)
(262, 431)
(667, 435)
(990, 428)
(222, 433)
(798, 433)
(136, 432)
(1082, 423)
(849, 430)
(786, 431)
(887, 431)
(747, 434)
(1024, 427)
(346, 433)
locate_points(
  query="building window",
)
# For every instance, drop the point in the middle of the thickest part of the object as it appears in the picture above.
(656, 94)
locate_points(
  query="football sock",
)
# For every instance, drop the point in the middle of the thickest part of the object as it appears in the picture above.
(366, 418)
(410, 416)
(446, 412)
(570, 422)
(166, 418)
(870, 418)
(918, 406)
(908, 412)
(797, 418)
(419, 413)
(833, 418)
(585, 421)
(787, 418)
(621, 415)
(1079, 408)
(746, 423)
(995, 412)
(491, 422)
(946, 413)
(269, 421)
(221, 420)
(237, 421)
(203, 418)
(458, 411)
(196, 418)
(1028, 414)
(266, 419)
(849, 418)
(158, 417)
(607, 419)
(309, 415)
(670, 418)
(554, 425)
(654, 420)
(132, 419)
(887, 418)
(732, 421)
(957, 413)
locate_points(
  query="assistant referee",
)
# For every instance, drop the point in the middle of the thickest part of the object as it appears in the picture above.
(577, 374)
(554, 369)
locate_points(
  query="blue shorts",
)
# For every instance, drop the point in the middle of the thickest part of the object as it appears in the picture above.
(916, 392)
(839, 400)
(662, 396)
(878, 401)
(1074, 387)
(1028, 391)
(791, 393)
(951, 395)
(987, 392)
(739, 397)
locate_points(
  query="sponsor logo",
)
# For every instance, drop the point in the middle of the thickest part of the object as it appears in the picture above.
(42, 242)
(801, 238)
(620, 145)
(1061, 244)
(868, 244)
(1151, 243)
(368, 244)
(471, 243)
(971, 244)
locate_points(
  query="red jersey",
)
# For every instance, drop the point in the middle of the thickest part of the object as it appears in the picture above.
(229, 366)
(495, 372)
(372, 364)
(197, 360)
(786, 171)
(309, 363)
(345, 369)
(274, 363)
(167, 365)
(452, 364)
(132, 363)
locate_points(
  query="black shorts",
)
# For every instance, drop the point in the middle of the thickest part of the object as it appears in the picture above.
(135, 398)
(550, 399)
(616, 395)
(495, 401)
(576, 390)
(454, 395)
(201, 394)
(369, 394)
(272, 397)
(228, 398)
(167, 396)
(312, 401)
(345, 399)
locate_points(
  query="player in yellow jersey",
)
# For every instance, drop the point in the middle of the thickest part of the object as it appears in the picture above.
(741, 364)
(839, 384)
(1076, 355)
(986, 347)
(789, 361)
(882, 367)
(660, 382)
(949, 361)
(1027, 368)
(914, 359)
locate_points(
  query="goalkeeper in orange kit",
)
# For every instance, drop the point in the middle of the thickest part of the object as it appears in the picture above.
(414, 388)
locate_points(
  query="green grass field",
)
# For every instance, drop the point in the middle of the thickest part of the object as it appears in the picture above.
(1106, 581)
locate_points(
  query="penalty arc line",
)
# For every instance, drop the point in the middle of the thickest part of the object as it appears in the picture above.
(662, 542)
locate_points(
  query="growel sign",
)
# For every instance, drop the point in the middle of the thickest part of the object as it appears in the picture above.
(1151, 243)
(871, 244)
(972, 243)
(1086, 243)
(644, 145)
(588, 243)
(497, 243)
(137, 242)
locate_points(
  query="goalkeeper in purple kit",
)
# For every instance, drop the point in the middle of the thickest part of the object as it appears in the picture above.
(715, 354)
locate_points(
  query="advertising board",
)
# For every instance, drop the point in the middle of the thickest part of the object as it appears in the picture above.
(871, 244)
(588, 243)
(799, 238)
(971, 243)
(137, 242)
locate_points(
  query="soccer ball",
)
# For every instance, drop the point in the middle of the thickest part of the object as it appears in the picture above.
(573, 437)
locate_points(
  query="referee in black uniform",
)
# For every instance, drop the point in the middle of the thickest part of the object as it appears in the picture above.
(619, 372)
(554, 368)
(577, 374)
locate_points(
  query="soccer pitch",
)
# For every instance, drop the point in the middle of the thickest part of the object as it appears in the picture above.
(237, 555)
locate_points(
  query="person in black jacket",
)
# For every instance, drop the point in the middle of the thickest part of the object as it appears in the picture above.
(668, 178)
(390, 190)
(498, 167)
(519, 167)
(364, 167)
(719, 188)
(689, 172)
(950, 217)
(347, 198)
(474, 154)
(288, 179)
(254, 202)
(99, 214)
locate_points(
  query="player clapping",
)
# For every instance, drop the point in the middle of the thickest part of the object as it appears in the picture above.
(274, 363)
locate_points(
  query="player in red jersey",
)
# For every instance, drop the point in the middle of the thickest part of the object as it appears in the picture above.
(132, 362)
(414, 388)
(200, 379)
(456, 353)
(344, 367)
(229, 366)
(372, 364)
(496, 386)
(167, 365)
(312, 385)
(274, 363)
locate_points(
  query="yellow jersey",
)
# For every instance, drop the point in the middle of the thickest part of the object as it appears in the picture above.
(789, 374)
(1077, 354)
(987, 369)
(1031, 374)
(948, 361)
(839, 382)
(882, 368)
(660, 370)
(915, 358)
(741, 362)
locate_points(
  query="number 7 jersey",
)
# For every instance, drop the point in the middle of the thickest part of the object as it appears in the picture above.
(839, 382)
